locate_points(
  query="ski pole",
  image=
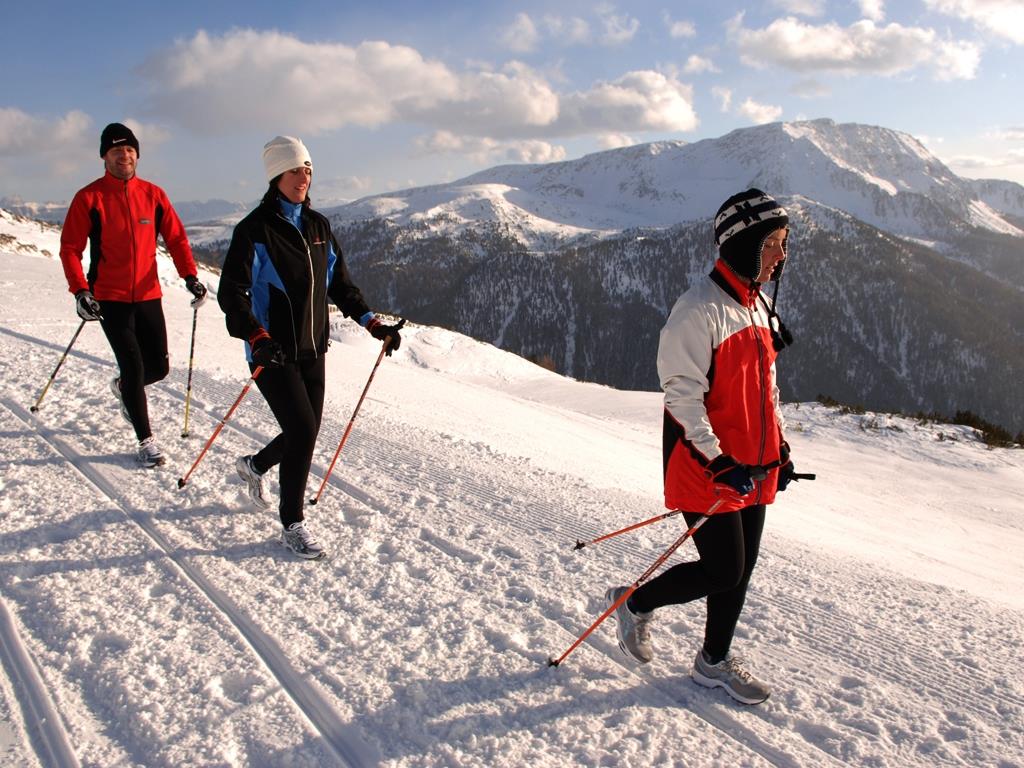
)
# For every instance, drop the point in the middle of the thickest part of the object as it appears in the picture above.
(553, 662)
(580, 544)
(216, 431)
(53, 375)
(191, 360)
(351, 421)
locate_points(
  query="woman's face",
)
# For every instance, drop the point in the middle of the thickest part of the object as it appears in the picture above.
(773, 250)
(294, 184)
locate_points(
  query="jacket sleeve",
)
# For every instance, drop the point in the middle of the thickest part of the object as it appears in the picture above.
(173, 233)
(340, 288)
(73, 239)
(684, 361)
(233, 294)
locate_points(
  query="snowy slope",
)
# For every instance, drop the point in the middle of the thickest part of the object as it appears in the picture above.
(141, 624)
(883, 177)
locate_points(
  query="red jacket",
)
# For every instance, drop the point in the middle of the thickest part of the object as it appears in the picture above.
(717, 368)
(120, 220)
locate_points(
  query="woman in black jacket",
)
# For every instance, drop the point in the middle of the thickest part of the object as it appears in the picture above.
(282, 266)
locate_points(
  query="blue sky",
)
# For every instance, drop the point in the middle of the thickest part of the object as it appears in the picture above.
(395, 94)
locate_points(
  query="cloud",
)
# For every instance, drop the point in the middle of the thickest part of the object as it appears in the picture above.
(863, 47)
(618, 29)
(759, 113)
(615, 141)
(723, 96)
(872, 9)
(521, 36)
(571, 31)
(1002, 18)
(696, 64)
(64, 143)
(486, 150)
(801, 7)
(679, 29)
(275, 83)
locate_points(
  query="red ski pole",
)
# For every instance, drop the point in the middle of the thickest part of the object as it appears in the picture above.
(553, 662)
(351, 421)
(255, 373)
(664, 516)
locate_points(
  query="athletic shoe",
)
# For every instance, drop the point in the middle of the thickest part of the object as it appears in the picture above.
(633, 629)
(300, 541)
(115, 387)
(149, 453)
(731, 675)
(254, 480)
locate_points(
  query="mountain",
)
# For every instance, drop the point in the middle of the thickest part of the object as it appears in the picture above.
(189, 211)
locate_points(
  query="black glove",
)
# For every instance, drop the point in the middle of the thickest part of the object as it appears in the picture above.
(727, 473)
(785, 470)
(87, 306)
(380, 331)
(197, 289)
(266, 351)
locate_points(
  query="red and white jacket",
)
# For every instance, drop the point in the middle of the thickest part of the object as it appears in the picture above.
(716, 363)
(120, 220)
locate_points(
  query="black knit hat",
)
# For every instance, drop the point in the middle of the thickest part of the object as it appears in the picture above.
(114, 135)
(742, 224)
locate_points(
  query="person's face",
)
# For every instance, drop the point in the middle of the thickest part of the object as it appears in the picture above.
(772, 252)
(121, 161)
(294, 184)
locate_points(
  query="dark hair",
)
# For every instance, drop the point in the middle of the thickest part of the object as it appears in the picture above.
(273, 193)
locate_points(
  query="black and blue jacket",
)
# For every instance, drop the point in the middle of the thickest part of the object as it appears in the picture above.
(281, 267)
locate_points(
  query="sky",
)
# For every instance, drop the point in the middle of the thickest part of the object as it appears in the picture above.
(395, 93)
(146, 625)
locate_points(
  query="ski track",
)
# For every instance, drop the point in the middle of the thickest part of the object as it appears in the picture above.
(478, 527)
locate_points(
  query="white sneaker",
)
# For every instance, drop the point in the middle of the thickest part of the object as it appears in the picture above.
(730, 674)
(254, 480)
(115, 387)
(633, 629)
(149, 453)
(300, 541)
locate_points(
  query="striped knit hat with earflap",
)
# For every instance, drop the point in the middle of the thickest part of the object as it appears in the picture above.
(742, 224)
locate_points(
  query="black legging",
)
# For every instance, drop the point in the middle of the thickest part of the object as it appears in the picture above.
(138, 336)
(728, 545)
(295, 394)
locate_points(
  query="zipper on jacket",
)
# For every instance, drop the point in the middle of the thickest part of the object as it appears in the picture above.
(312, 287)
(131, 238)
(762, 391)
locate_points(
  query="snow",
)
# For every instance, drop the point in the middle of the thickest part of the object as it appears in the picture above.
(141, 624)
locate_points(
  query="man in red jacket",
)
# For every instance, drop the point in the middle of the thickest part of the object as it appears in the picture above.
(120, 216)
(724, 449)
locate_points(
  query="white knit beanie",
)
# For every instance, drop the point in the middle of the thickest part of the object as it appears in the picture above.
(282, 153)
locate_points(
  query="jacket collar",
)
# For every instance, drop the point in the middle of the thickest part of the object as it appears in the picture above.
(112, 182)
(738, 288)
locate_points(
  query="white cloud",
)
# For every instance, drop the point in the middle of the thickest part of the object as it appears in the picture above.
(863, 47)
(615, 141)
(723, 96)
(1003, 18)
(618, 29)
(679, 29)
(277, 83)
(64, 143)
(696, 64)
(801, 7)
(486, 150)
(759, 113)
(872, 9)
(571, 31)
(521, 35)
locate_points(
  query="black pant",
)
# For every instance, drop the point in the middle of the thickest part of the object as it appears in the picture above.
(728, 545)
(138, 336)
(295, 394)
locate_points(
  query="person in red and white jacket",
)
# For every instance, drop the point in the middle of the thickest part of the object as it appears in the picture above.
(119, 217)
(723, 437)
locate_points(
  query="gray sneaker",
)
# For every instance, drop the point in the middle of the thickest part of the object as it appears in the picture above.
(115, 387)
(300, 541)
(149, 454)
(633, 629)
(731, 675)
(254, 480)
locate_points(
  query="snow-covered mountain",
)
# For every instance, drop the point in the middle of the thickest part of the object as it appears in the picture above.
(189, 211)
(882, 177)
